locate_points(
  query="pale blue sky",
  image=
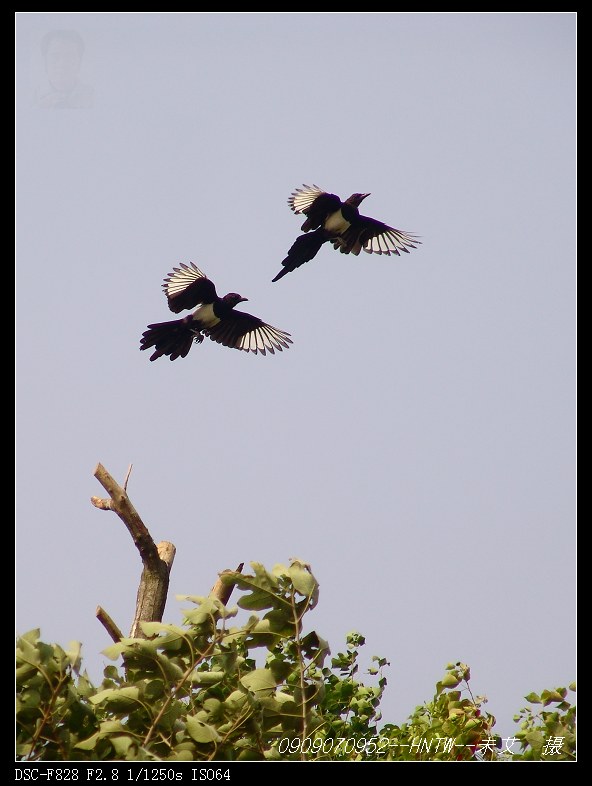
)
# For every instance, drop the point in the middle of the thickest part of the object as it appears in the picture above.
(416, 444)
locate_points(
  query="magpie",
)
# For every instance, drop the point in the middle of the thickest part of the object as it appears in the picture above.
(342, 224)
(187, 287)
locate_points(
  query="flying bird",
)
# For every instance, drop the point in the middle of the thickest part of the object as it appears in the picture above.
(342, 224)
(188, 288)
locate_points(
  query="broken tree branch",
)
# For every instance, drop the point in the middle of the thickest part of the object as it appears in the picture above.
(157, 560)
(153, 589)
(223, 591)
(108, 624)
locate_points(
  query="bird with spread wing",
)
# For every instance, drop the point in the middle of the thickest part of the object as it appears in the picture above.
(342, 224)
(216, 317)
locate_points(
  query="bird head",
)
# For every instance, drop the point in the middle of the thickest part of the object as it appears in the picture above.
(232, 299)
(356, 199)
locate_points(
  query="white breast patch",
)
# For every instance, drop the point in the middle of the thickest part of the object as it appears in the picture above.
(336, 223)
(205, 315)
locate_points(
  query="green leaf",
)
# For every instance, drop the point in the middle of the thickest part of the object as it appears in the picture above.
(449, 680)
(183, 753)
(281, 702)
(113, 652)
(89, 744)
(279, 668)
(303, 580)
(229, 611)
(536, 739)
(259, 681)
(263, 589)
(25, 672)
(196, 617)
(121, 745)
(257, 600)
(206, 677)
(212, 706)
(200, 731)
(273, 621)
(50, 656)
(156, 628)
(169, 668)
(549, 696)
(118, 699)
(140, 647)
(31, 636)
(30, 698)
(197, 599)
(209, 608)
(533, 698)
(153, 690)
(354, 639)
(74, 654)
(236, 701)
(28, 651)
(111, 727)
(108, 729)
(280, 621)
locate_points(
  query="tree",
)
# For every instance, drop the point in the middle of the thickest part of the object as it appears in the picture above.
(196, 692)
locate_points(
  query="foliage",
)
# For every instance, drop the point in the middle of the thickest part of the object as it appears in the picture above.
(196, 692)
(548, 735)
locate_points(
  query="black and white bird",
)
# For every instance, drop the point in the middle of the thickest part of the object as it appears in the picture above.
(216, 317)
(342, 224)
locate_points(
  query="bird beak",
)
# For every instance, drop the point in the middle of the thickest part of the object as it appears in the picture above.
(243, 300)
(364, 196)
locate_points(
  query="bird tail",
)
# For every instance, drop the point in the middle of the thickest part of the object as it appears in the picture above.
(171, 338)
(304, 249)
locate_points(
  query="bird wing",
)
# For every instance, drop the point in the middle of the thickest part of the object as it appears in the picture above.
(374, 237)
(302, 198)
(187, 287)
(316, 205)
(244, 331)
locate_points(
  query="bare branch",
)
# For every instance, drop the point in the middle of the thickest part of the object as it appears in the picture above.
(157, 560)
(166, 551)
(108, 624)
(223, 591)
(129, 472)
(121, 505)
(152, 592)
(101, 504)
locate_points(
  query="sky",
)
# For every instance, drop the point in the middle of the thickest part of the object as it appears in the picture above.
(416, 443)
